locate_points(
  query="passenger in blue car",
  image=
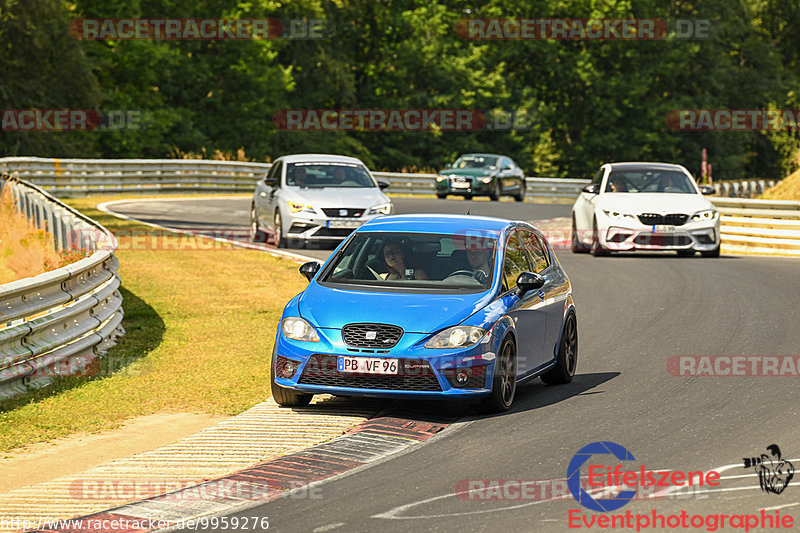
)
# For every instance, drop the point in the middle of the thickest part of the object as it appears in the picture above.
(395, 257)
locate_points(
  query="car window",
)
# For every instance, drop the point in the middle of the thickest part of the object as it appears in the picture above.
(536, 249)
(275, 173)
(476, 161)
(393, 260)
(598, 177)
(506, 164)
(515, 261)
(328, 175)
(649, 180)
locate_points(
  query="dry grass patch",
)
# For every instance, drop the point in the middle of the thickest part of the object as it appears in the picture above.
(787, 189)
(200, 328)
(24, 250)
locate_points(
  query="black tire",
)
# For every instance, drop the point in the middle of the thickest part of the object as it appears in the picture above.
(441, 195)
(567, 360)
(280, 240)
(494, 192)
(257, 235)
(711, 253)
(685, 253)
(504, 384)
(520, 197)
(468, 196)
(597, 248)
(285, 397)
(577, 245)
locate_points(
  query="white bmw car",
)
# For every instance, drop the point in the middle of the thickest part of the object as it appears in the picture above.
(317, 198)
(645, 206)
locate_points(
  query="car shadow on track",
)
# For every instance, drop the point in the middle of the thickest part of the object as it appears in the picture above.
(536, 394)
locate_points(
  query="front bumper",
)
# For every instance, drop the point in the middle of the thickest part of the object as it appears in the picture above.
(631, 235)
(469, 187)
(422, 372)
(315, 227)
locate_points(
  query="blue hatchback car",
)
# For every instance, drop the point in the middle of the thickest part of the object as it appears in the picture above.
(429, 306)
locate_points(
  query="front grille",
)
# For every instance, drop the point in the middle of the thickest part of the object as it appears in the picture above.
(371, 335)
(413, 375)
(336, 212)
(673, 219)
(659, 239)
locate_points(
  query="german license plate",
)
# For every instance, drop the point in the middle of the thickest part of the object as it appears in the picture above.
(344, 223)
(460, 185)
(367, 365)
(663, 228)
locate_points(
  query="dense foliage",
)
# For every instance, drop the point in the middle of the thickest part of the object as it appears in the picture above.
(586, 101)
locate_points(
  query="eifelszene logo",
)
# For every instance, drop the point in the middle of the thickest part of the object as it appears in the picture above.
(603, 480)
(774, 473)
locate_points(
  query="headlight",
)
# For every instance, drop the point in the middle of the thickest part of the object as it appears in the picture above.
(617, 214)
(709, 214)
(440, 178)
(456, 337)
(383, 209)
(294, 207)
(298, 329)
(487, 179)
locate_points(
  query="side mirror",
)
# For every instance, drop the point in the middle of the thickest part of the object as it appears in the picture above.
(707, 190)
(269, 182)
(383, 184)
(310, 269)
(592, 188)
(528, 281)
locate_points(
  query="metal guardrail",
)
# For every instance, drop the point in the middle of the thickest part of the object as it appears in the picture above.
(69, 177)
(743, 188)
(73, 177)
(60, 322)
(768, 227)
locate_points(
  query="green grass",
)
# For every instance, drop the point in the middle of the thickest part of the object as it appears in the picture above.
(200, 328)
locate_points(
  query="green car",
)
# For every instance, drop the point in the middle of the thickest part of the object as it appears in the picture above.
(489, 175)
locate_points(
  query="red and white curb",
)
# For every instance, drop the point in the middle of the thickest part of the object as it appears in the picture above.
(370, 441)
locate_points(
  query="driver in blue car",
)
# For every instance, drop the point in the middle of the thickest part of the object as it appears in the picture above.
(480, 263)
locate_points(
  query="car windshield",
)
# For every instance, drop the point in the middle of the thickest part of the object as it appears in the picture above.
(318, 175)
(649, 180)
(476, 161)
(462, 262)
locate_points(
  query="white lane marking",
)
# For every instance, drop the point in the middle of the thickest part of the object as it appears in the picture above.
(393, 514)
(329, 527)
(719, 470)
(777, 507)
(104, 207)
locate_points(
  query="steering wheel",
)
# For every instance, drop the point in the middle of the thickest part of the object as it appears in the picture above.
(461, 273)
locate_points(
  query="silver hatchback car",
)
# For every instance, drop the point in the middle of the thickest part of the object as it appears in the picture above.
(315, 198)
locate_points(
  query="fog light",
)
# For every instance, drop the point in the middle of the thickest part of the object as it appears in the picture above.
(285, 368)
(461, 378)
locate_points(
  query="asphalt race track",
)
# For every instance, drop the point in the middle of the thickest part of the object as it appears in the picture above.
(634, 313)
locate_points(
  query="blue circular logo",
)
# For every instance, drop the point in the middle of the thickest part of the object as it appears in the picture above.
(601, 505)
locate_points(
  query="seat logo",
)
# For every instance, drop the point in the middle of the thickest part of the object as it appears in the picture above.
(371, 335)
(342, 212)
